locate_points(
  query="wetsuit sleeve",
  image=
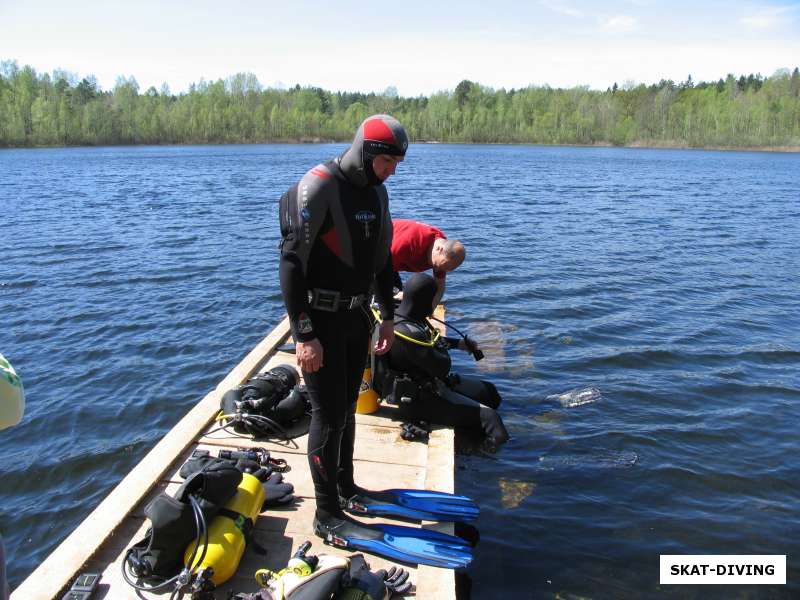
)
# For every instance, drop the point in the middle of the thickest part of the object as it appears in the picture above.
(307, 206)
(384, 281)
(451, 342)
(384, 276)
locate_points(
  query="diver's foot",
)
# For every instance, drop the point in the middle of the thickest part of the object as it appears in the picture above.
(336, 530)
(359, 500)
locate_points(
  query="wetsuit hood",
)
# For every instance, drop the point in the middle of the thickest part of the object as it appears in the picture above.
(418, 293)
(378, 134)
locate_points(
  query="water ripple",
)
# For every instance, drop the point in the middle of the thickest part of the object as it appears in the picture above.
(136, 278)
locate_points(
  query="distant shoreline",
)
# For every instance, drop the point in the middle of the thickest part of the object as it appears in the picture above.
(638, 144)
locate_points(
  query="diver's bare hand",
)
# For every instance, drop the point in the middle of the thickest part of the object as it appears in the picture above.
(309, 355)
(385, 337)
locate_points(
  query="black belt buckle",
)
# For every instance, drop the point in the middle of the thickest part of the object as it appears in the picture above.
(327, 300)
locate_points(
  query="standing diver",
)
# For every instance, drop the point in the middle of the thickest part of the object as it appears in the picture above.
(337, 232)
(415, 373)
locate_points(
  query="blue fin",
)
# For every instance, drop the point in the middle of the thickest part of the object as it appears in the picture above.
(425, 505)
(395, 542)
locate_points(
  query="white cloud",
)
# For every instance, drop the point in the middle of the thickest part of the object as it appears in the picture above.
(619, 23)
(561, 8)
(767, 18)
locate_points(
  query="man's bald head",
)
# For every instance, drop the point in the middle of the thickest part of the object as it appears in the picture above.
(447, 255)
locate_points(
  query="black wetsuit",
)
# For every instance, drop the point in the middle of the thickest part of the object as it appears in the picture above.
(337, 238)
(432, 393)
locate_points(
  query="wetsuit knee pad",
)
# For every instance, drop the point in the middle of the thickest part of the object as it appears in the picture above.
(492, 397)
(493, 426)
(478, 389)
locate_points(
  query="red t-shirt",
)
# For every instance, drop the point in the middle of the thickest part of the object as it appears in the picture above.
(411, 246)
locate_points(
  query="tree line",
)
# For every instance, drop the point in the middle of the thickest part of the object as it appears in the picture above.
(42, 109)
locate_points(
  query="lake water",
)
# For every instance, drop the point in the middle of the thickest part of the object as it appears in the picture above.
(134, 279)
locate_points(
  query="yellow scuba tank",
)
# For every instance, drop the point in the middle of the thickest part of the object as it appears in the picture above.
(367, 397)
(226, 537)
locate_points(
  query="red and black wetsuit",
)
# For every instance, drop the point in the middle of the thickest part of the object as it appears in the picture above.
(337, 239)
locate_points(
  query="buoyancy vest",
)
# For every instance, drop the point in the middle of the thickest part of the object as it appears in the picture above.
(415, 360)
(172, 526)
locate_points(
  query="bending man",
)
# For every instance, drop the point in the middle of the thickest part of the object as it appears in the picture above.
(417, 247)
(337, 234)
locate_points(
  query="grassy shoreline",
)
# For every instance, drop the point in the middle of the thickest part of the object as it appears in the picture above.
(645, 145)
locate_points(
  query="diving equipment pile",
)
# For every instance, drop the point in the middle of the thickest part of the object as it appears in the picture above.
(197, 538)
(326, 576)
(267, 405)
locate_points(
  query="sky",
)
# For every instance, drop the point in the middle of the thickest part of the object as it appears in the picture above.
(417, 47)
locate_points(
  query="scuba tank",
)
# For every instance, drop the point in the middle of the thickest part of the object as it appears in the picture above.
(228, 533)
(367, 396)
(156, 562)
(197, 538)
(266, 404)
(263, 392)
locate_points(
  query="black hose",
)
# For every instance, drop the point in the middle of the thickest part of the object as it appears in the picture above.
(476, 354)
(202, 530)
(251, 424)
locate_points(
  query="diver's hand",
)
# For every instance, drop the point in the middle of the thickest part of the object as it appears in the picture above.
(309, 355)
(465, 346)
(385, 337)
(471, 346)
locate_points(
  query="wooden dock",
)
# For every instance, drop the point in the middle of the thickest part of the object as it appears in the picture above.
(382, 460)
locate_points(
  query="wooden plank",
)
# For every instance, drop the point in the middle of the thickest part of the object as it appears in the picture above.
(377, 443)
(57, 571)
(433, 582)
(439, 475)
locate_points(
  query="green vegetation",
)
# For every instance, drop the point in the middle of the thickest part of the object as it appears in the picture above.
(54, 110)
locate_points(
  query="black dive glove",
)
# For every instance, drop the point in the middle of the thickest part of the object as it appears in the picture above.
(376, 585)
(279, 493)
(395, 580)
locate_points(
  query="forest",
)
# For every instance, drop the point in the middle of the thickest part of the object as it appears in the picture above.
(59, 109)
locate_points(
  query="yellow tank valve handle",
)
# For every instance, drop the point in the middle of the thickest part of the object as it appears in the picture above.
(264, 576)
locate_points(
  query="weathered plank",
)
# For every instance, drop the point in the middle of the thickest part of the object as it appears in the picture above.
(377, 443)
